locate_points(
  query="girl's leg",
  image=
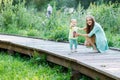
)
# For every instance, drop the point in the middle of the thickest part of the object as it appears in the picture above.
(71, 44)
(75, 44)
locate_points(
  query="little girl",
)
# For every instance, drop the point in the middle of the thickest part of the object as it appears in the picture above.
(73, 35)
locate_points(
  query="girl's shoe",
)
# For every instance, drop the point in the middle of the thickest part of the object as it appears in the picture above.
(72, 51)
(75, 50)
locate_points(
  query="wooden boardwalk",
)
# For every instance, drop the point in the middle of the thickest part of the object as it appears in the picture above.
(105, 66)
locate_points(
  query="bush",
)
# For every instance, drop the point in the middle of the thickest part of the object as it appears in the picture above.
(59, 34)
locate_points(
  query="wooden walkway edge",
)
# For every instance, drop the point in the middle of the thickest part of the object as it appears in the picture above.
(104, 66)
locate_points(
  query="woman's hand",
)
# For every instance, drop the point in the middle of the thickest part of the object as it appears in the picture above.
(77, 34)
(80, 34)
(84, 28)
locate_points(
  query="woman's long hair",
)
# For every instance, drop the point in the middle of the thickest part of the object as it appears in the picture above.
(90, 27)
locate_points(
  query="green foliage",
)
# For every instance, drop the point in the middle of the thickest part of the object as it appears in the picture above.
(1, 21)
(7, 13)
(113, 39)
(107, 15)
(17, 19)
(85, 78)
(38, 59)
(32, 32)
(19, 68)
(59, 34)
(81, 40)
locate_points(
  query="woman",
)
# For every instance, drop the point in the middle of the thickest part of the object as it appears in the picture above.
(96, 30)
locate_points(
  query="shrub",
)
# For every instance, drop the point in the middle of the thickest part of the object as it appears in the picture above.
(59, 34)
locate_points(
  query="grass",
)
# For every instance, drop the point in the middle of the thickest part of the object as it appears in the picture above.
(22, 68)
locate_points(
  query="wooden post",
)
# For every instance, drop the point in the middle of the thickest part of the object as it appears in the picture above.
(11, 52)
(76, 75)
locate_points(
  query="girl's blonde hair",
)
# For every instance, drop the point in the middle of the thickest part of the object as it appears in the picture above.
(73, 20)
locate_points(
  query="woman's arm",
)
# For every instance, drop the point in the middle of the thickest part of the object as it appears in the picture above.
(84, 28)
(84, 35)
(94, 30)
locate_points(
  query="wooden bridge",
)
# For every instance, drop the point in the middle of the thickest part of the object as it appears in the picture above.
(105, 66)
